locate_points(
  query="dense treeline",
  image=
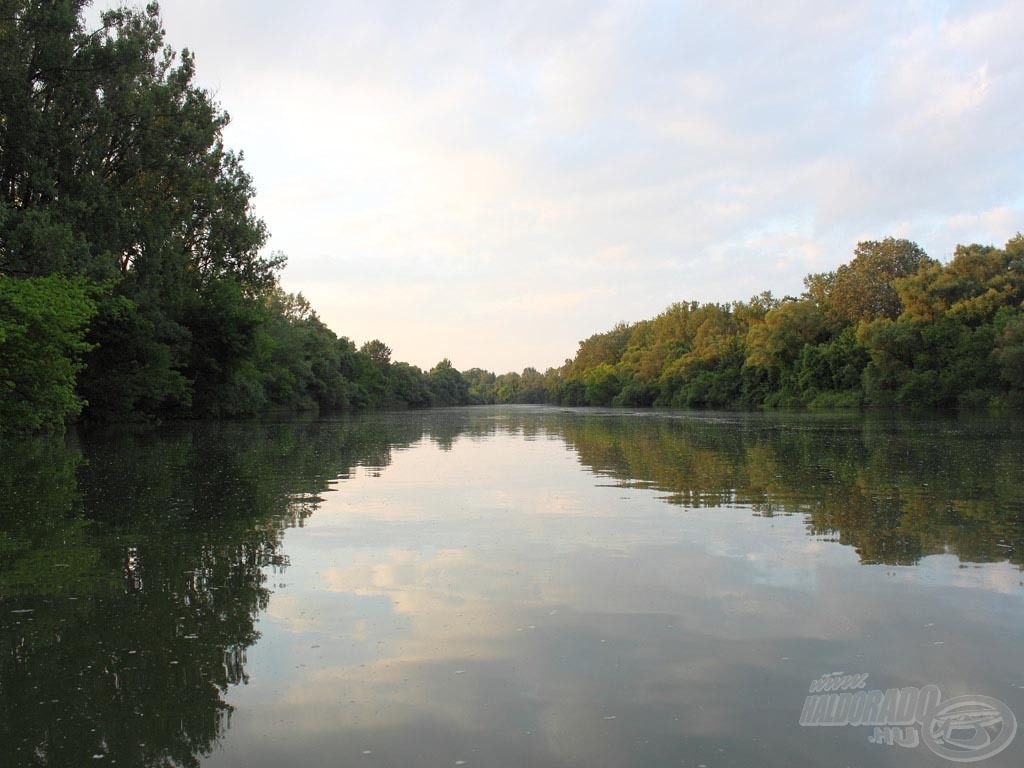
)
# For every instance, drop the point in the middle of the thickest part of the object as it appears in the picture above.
(133, 280)
(892, 327)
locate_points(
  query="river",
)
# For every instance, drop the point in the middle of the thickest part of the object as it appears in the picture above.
(509, 586)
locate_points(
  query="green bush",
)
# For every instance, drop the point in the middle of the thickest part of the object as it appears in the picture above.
(42, 340)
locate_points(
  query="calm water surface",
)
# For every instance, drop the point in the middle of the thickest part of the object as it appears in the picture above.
(502, 587)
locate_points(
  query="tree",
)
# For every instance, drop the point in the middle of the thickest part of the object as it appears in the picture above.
(378, 353)
(481, 385)
(602, 348)
(777, 342)
(531, 386)
(971, 287)
(865, 288)
(1009, 352)
(891, 346)
(447, 385)
(113, 168)
(601, 384)
(408, 387)
(136, 372)
(42, 340)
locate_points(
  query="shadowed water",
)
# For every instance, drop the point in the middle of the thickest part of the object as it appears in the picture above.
(502, 587)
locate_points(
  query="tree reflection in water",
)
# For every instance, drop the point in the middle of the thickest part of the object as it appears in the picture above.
(135, 563)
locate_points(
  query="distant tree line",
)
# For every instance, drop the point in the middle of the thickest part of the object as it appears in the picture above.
(892, 327)
(133, 283)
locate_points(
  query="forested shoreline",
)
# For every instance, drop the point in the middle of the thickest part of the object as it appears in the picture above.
(134, 283)
(133, 279)
(891, 328)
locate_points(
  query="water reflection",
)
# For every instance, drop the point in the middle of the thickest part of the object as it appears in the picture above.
(894, 487)
(460, 591)
(133, 566)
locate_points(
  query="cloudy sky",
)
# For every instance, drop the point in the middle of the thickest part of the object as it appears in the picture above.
(494, 180)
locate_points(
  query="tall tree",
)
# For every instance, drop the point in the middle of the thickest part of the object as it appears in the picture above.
(865, 288)
(113, 167)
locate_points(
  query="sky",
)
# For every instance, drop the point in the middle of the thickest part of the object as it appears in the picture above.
(492, 182)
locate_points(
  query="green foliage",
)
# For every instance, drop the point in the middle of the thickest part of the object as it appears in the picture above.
(776, 343)
(1009, 352)
(602, 348)
(113, 172)
(447, 386)
(890, 328)
(378, 353)
(831, 367)
(42, 340)
(133, 372)
(222, 367)
(971, 287)
(481, 385)
(713, 382)
(865, 289)
(636, 392)
(601, 384)
(408, 387)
